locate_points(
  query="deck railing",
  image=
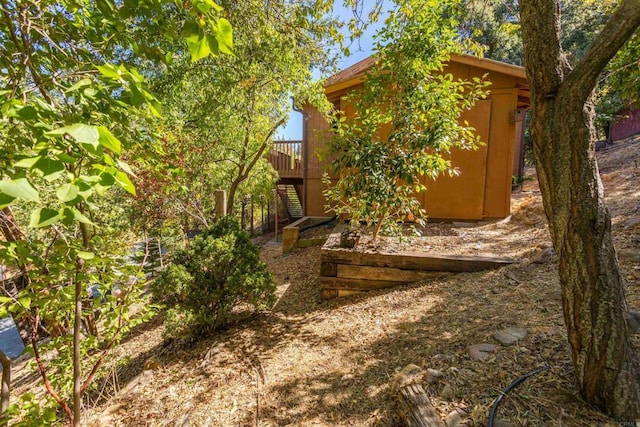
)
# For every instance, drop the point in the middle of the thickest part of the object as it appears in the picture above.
(286, 158)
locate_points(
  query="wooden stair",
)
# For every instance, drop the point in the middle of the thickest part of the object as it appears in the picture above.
(290, 196)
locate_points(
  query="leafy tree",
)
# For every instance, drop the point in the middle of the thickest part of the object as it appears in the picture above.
(220, 271)
(73, 109)
(495, 25)
(407, 120)
(623, 73)
(223, 112)
(607, 365)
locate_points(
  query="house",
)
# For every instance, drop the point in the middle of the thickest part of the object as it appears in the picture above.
(483, 188)
(626, 124)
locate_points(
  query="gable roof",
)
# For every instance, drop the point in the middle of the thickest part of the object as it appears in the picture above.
(355, 74)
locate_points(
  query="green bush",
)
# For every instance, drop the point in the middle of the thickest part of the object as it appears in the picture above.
(220, 270)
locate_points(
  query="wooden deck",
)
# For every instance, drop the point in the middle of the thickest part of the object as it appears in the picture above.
(286, 159)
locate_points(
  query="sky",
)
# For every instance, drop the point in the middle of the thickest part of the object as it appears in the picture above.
(361, 49)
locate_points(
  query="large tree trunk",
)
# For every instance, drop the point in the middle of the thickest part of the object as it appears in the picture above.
(607, 367)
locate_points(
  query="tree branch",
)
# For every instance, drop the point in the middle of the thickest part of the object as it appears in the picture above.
(6, 385)
(116, 334)
(620, 27)
(43, 370)
(263, 147)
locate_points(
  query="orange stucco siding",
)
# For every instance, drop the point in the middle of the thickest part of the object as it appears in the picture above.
(483, 187)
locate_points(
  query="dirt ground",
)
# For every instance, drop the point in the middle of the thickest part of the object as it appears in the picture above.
(310, 362)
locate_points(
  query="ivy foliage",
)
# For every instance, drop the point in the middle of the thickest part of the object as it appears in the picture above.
(219, 272)
(406, 119)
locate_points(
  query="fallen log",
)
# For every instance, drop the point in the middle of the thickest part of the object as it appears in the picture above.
(413, 404)
(415, 409)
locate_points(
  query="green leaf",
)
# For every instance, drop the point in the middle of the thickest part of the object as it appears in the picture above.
(27, 113)
(137, 98)
(80, 217)
(49, 415)
(66, 158)
(155, 107)
(5, 200)
(19, 189)
(107, 140)
(79, 85)
(224, 34)
(84, 134)
(202, 6)
(199, 48)
(67, 192)
(125, 167)
(191, 30)
(123, 180)
(205, 5)
(43, 217)
(109, 71)
(107, 179)
(27, 163)
(213, 44)
(4, 300)
(85, 255)
(50, 168)
(25, 301)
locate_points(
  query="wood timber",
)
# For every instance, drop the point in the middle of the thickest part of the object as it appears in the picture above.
(413, 261)
(328, 269)
(415, 409)
(385, 274)
(346, 271)
(355, 284)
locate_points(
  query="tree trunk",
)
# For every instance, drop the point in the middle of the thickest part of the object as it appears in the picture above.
(233, 189)
(6, 386)
(607, 366)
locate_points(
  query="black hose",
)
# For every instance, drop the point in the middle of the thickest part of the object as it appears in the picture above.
(511, 386)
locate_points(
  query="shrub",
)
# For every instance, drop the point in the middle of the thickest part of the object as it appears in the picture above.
(220, 270)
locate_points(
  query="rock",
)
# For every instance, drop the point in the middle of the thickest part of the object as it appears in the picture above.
(545, 256)
(432, 375)
(453, 419)
(138, 381)
(510, 336)
(438, 357)
(447, 392)
(481, 351)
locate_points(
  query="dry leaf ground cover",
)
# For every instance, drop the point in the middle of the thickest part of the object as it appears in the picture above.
(310, 362)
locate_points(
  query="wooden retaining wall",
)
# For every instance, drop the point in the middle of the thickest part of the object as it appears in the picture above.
(347, 271)
(291, 234)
